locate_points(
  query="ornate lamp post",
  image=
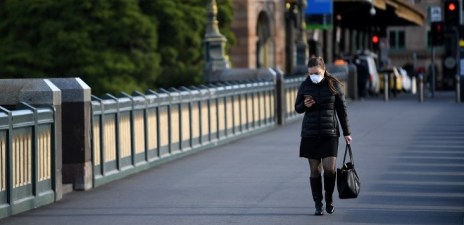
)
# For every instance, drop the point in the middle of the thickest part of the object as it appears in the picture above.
(215, 42)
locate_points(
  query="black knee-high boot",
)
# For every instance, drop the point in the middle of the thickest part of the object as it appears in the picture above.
(316, 189)
(329, 186)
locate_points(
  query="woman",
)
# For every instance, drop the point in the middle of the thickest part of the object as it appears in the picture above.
(321, 100)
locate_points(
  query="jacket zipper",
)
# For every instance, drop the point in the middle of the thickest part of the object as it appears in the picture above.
(319, 109)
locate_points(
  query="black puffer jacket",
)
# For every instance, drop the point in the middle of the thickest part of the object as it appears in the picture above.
(320, 120)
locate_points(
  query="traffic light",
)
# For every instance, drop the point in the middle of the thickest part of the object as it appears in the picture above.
(437, 30)
(452, 12)
(375, 42)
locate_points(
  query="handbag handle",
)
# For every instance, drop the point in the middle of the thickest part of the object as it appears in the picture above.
(348, 149)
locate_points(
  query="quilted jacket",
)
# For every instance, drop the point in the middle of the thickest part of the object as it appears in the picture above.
(320, 120)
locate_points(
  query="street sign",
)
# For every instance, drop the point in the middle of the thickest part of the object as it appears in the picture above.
(316, 7)
(435, 14)
(318, 14)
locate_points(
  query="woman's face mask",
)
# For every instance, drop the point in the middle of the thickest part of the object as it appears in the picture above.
(316, 78)
(316, 74)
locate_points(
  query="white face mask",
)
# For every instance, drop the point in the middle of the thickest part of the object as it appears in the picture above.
(316, 78)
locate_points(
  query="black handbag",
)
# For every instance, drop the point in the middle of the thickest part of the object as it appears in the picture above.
(348, 183)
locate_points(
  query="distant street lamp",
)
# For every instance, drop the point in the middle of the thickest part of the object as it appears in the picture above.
(372, 10)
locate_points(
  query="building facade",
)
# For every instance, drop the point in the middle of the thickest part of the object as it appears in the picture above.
(413, 45)
(270, 33)
(260, 34)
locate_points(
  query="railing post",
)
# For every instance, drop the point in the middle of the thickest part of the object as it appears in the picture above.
(280, 98)
(385, 87)
(34, 153)
(163, 122)
(131, 122)
(153, 125)
(420, 88)
(76, 117)
(140, 103)
(185, 127)
(204, 95)
(98, 139)
(458, 88)
(176, 107)
(107, 98)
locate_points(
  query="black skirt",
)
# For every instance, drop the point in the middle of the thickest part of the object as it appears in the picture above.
(318, 147)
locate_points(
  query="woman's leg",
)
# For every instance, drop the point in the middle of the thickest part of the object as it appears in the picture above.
(329, 165)
(315, 167)
(316, 184)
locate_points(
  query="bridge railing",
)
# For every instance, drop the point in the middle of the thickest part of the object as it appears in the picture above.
(27, 158)
(133, 132)
(65, 139)
(291, 85)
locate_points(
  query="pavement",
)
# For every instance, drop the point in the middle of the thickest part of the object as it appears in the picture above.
(409, 156)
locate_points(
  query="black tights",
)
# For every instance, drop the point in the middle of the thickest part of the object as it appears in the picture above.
(327, 164)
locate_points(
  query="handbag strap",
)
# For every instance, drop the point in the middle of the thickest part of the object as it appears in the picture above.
(348, 150)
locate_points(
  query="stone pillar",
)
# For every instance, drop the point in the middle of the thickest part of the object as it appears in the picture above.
(214, 45)
(76, 117)
(280, 100)
(38, 92)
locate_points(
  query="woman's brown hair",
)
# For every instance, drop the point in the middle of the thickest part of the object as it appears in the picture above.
(331, 80)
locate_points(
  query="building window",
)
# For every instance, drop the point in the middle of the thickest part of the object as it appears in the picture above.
(401, 37)
(392, 39)
(429, 38)
(397, 39)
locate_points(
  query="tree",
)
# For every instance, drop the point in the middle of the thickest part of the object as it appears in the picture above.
(109, 44)
(181, 31)
(113, 45)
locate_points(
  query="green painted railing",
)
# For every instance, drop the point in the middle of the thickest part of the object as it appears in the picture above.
(27, 158)
(131, 133)
(115, 136)
(134, 132)
(291, 85)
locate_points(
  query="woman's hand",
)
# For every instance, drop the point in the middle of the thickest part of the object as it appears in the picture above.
(309, 102)
(348, 139)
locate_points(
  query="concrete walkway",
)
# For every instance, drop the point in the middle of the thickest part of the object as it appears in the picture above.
(409, 155)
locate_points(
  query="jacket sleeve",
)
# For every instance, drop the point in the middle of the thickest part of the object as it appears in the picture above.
(341, 108)
(299, 101)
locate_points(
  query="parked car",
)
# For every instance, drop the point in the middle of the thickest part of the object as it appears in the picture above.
(396, 84)
(406, 80)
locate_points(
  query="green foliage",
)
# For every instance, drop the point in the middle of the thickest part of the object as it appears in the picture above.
(113, 45)
(225, 16)
(181, 31)
(181, 28)
(104, 42)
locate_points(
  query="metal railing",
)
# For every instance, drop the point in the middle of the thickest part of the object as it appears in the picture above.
(133, 132)
(291, 85)
(27, 162)
(128, 133)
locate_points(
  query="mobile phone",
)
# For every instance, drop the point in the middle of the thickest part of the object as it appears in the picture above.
(308, 96)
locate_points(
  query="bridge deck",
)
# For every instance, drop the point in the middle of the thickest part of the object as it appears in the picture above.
(409, 155)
